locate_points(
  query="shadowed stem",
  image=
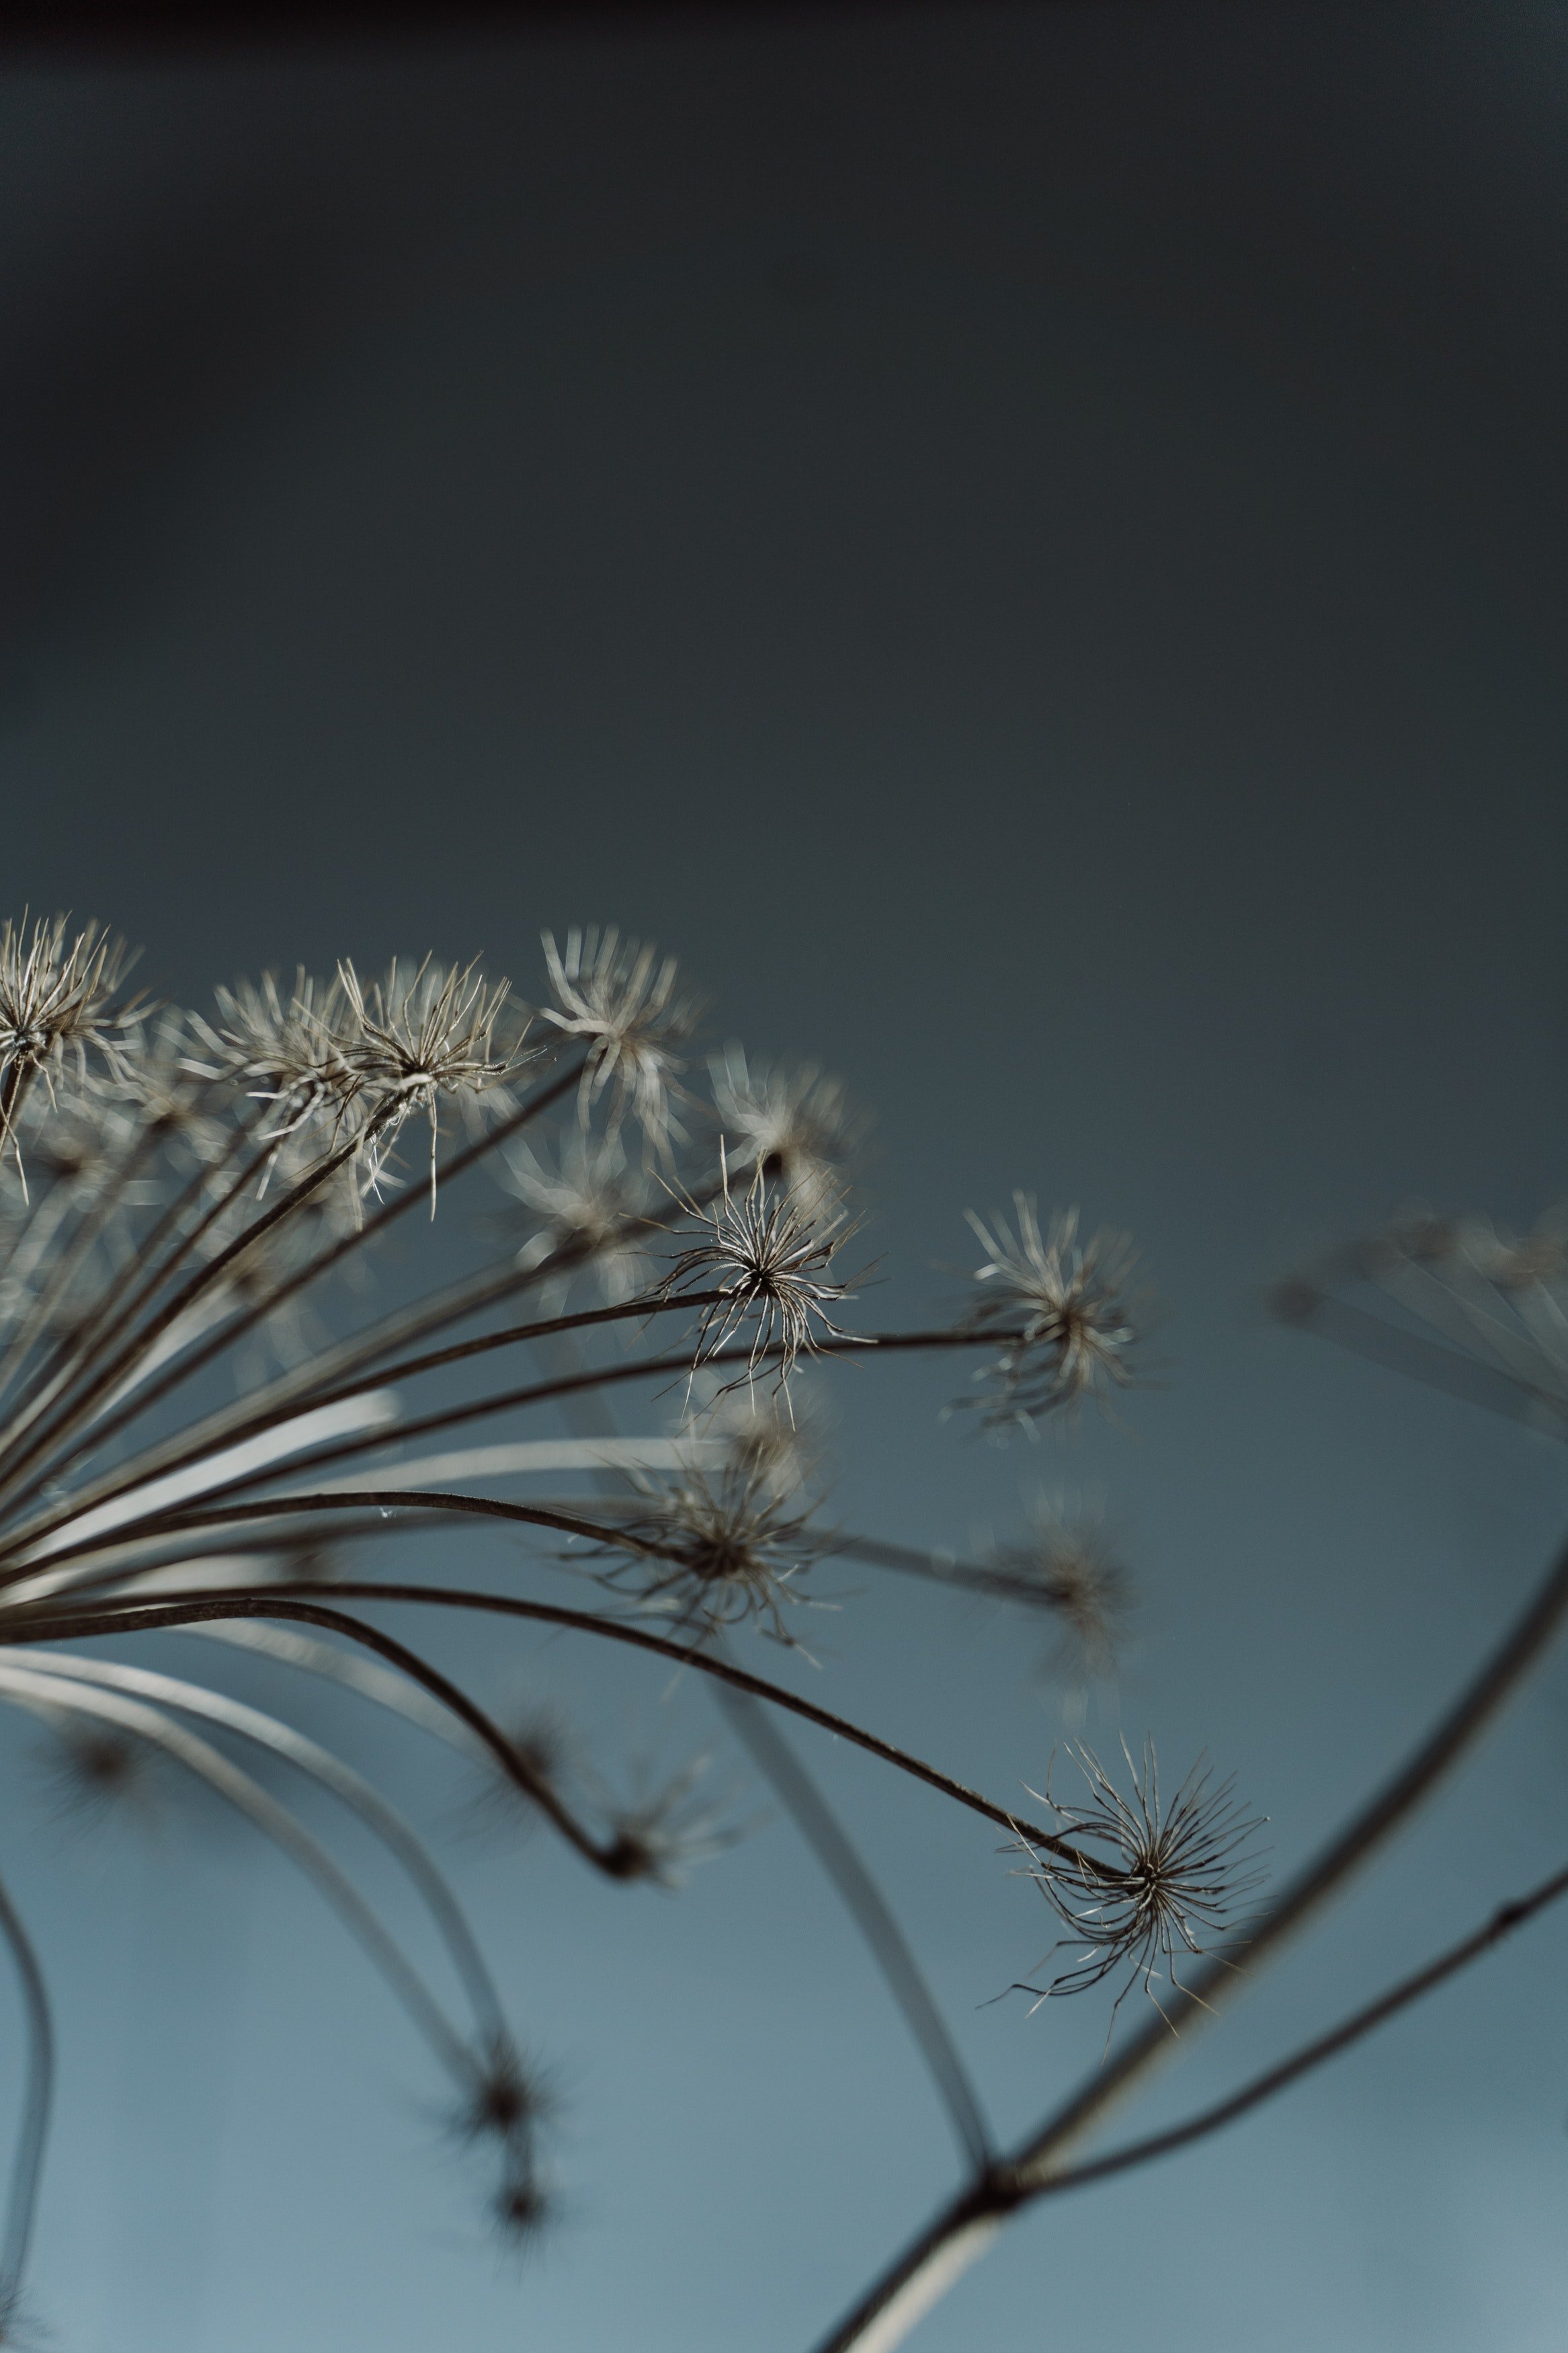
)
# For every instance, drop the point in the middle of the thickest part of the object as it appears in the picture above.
(864, 1901)
(377, 1224)
(45, 1623)
(26, 2166)
(929, 2267)
(1349, 2030)
(560, 1390)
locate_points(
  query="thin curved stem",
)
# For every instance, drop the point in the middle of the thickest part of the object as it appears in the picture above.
(868, 1908)
(301, 1280)
(76, 1624)
(32, 2132)
(1349, 2030)
(936, 2257)
(140, 1471)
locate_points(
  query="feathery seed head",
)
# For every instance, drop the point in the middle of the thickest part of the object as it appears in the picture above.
(427, 1030)
(793, 1124)
(59, 1006)
(621, 1001)
(287, 1049)
(1164, 1887)
(1062, 1310)
(1072, 1568)
(713, 1549)
(767, 1254)
(588, 1201)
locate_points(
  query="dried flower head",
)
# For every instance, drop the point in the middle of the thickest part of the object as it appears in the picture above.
(773, 1441)
(171, 1102)
(589, 1201)
(96, 1769)
(621, 1000)
(287, 1049)
(794, 1124)
(1062, 1310)
(669, 1827)
(59, 1008)
(521, 2208)
(766, 1254)
(1069, 1563)
(427, 1030)
(1167, 1886)
(713, 1549)
(505, 2098)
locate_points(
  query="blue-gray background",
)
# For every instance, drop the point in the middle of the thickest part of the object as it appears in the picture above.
(1027, 546)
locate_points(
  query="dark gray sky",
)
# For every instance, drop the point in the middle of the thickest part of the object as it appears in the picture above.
(1027, 545)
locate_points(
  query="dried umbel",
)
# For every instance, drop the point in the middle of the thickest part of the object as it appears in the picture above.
(792, 1123)
(620, 1001)
(766, 1261)
(424, 1034)
(62, 1014)
(1068, 1560)
(588, 1206)
(714, 1549)
(204, 1397)
(288, 1049)
(198, 1189)
(1063, 1311)
(1147, 1882)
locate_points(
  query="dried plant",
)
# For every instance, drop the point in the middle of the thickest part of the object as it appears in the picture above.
(1167, 1882)
(204, 1423)
(1063, 1311)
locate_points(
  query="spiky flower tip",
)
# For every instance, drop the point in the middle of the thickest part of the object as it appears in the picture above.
(60, 1008)
(620, 999)
(1068, 1565)
(426, 1032)
(1165, 1886)
(794, 1125)
(1063, 1311)
(713, 1549)
(766, 1256)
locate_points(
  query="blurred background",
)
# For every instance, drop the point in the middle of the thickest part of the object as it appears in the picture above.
(1026, 545)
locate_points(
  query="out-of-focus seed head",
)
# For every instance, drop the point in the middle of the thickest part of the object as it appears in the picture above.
(1069, 1564)
(522, 2209)
(794, 1125)
(169, 1104)
(1064, 1314)
(93, 1770)
(589, 1202)
(774, 1442)
(669, 1827)
(505, 2098)
(285, 1048)
(620, 999)
(714, 1549)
